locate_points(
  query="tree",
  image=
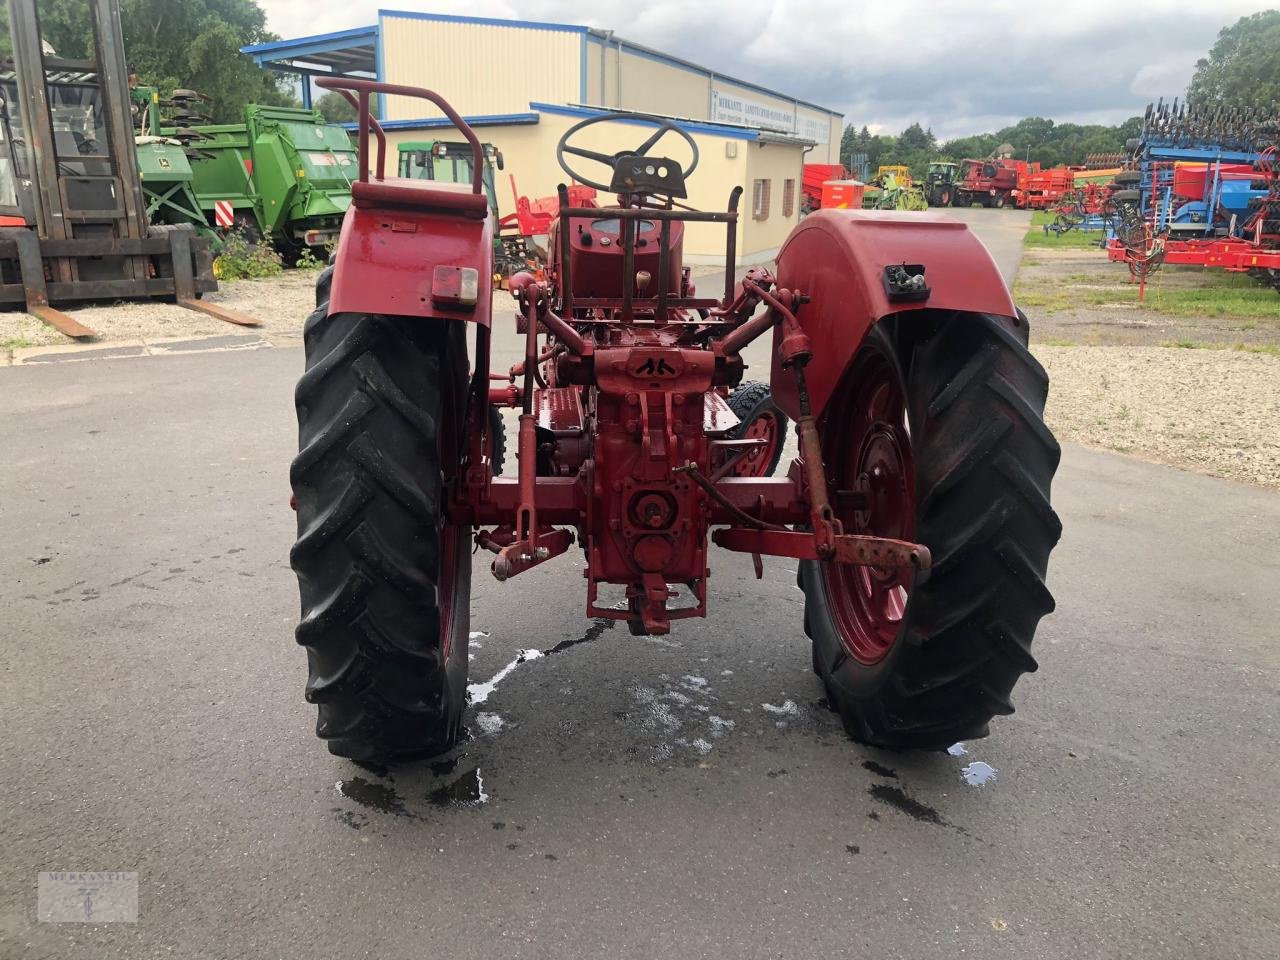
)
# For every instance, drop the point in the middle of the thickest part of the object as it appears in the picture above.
(335, 108)
(179, 43)
(914, 138)
(1243, 66)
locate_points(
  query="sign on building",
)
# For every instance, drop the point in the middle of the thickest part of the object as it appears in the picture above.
(733, 107)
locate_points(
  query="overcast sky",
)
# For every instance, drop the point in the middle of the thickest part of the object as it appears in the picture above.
(887, 63)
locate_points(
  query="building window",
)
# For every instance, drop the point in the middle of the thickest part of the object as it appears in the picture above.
(760, 199)
(788, 197)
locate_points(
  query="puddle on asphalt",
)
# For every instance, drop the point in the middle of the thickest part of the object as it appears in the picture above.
(466, 791)
(896, 798)
(480, 692)
(375, 796)
(879, 769)
(594, 632)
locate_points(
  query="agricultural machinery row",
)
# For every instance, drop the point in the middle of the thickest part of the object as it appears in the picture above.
(993, 182)
(1201, 187)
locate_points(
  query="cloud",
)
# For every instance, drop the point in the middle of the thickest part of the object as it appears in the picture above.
(958, 68)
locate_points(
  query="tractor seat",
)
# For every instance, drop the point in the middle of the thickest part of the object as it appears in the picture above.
(401, 194)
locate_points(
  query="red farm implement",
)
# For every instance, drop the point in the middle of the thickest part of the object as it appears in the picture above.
(992, 183)
(812, 180)
(917, 507)
(532, 219)
(1043, 189)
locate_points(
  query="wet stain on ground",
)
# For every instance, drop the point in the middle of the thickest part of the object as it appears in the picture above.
(350, 818)
(873, 815)
(550, 856)
(375, 796)
(466, 791)
(594, 632)
(853, 848)
(442, 768)
(880, 770)
(896, 798)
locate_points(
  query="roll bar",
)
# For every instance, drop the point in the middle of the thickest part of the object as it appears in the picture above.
(357, 92)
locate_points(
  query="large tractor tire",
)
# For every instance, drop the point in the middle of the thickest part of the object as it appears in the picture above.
(938, 425)
(759, 419)
(385, 579)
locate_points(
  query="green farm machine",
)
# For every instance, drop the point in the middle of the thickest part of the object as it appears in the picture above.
(283, 175)
(164, 165)
(940, 183)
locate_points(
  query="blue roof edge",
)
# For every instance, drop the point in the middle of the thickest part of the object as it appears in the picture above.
(693, 126)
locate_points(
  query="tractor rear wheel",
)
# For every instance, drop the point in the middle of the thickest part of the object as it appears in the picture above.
(760, 419)
(385, 578)
(938, 425)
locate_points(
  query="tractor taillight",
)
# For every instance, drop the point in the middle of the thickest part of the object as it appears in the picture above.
(455, 286)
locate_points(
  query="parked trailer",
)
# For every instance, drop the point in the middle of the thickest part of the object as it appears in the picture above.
(284, 175)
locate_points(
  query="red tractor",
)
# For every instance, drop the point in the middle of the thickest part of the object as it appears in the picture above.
(917, 507)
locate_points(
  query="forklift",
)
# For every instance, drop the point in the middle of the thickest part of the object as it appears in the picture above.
(73, 216)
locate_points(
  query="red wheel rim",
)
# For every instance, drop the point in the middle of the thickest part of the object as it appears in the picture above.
(756, 460)
(867, 445)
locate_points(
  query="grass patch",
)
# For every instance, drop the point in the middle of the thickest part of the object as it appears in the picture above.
(16, 343)
(1072, 240)
(1216, 294)
(1056, 342)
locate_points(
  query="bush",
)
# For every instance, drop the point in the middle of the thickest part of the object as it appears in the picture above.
(242, 259)
(307, 260)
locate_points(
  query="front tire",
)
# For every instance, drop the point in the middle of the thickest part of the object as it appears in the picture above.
(384, 578)
(939, 426)
(759, 419)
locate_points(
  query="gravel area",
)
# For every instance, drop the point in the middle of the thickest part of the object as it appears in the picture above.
(280, 304)
(1214, 411)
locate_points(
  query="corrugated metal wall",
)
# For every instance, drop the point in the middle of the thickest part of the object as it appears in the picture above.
(481, 69)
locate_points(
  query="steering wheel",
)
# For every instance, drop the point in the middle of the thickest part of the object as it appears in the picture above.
(676, 176)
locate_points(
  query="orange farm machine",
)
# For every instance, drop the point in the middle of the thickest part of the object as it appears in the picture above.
(814, 176)
(916, 505)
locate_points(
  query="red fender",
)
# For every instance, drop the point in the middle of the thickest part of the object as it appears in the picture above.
(392, 241)
(837, 259)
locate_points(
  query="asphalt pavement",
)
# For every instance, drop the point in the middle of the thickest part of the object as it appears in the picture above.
(685, 796)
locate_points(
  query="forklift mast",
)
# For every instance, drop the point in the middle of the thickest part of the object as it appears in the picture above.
(69, 145)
